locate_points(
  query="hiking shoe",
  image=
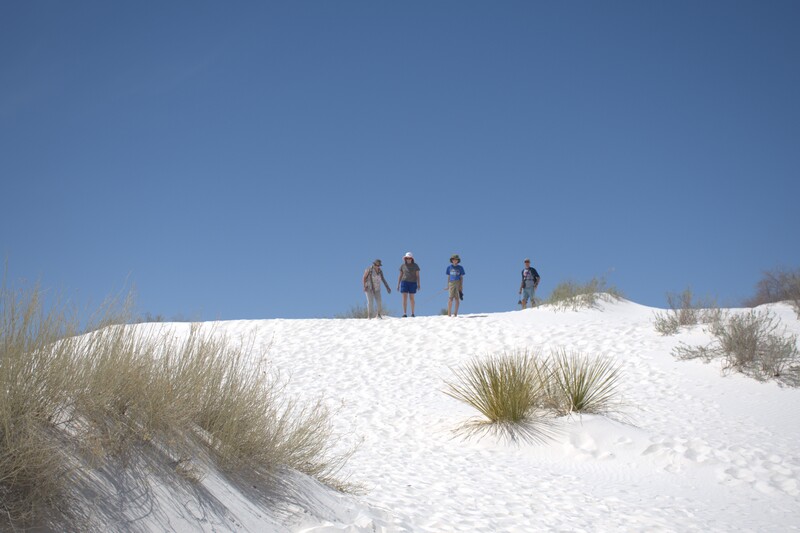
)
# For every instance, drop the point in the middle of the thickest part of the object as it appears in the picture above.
(405, 316)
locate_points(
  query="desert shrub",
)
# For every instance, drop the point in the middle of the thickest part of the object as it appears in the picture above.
(751, 343)
(571, 295)
(119, 388)
(582, 384)
(683, 310)
(778, 285)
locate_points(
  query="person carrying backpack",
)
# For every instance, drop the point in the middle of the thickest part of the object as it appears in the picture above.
(530, 280)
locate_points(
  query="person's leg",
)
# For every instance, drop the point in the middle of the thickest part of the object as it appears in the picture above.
(369, 303)
(527, 294)
(411, 296)
(405, 304)
(378, 305)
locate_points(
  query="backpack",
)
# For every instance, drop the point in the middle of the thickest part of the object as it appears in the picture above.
(534, 275)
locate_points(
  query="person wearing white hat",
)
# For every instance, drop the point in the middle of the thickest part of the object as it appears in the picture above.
(409, 282)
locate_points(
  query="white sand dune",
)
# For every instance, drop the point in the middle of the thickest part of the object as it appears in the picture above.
(693, 451)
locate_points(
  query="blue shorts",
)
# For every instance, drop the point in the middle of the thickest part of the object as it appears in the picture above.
(527, 294)
(408, 286)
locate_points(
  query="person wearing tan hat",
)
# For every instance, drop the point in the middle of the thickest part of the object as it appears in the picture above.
(455, 284)
(408, 283)
(373, 277)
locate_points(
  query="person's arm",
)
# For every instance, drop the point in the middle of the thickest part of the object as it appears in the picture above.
(419, 283)
(364, 279)
(388, 289)
(399, 278)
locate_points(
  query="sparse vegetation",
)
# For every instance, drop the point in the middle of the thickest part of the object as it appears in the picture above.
(778, 285)
(517, 394)
(750, 343)
(117, 389)
(569, 295)
(360, 311)
(683, 310)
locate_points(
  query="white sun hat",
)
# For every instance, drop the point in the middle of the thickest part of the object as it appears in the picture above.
(408, 255)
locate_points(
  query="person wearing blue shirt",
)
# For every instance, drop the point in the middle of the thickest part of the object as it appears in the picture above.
(455, 284)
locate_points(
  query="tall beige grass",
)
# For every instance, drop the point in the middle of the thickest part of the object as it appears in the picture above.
(35, 385)
(119, 389)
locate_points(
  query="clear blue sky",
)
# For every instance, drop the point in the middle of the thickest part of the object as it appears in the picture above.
(250, 159)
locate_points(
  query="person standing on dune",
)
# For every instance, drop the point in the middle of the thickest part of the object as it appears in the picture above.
(455, 283)
(373, 277)
(408, 283)
(530, 280)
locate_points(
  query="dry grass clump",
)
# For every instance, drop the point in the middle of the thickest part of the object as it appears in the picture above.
(750, 343)
(569, 295)
(120, 389)
(35, 377)
(684, 310)
(518, 393)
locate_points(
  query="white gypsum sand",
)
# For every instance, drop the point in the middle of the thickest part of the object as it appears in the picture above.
(692, 450)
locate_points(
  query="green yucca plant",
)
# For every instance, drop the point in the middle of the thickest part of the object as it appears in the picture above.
(581, 384)
(505, 389)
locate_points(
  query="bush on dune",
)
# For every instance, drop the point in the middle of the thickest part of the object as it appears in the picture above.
(569, 295)
(684, 310)
(750, 343)
(119, 388)
(777, 285)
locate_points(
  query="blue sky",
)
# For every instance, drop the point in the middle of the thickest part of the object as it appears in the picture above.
(250, 159)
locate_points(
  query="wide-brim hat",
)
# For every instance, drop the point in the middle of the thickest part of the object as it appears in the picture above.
(455, 256)
(408, 255)
(377, 262)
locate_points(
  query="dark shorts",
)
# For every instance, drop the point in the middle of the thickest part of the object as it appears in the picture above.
(408, 286)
